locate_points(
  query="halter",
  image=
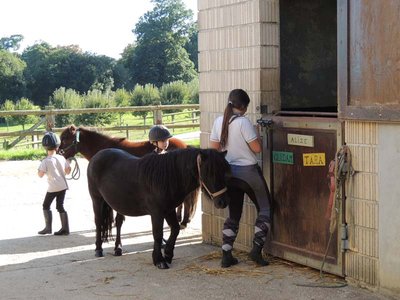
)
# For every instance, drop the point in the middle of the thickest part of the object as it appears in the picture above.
(74, 143)
(76, 172)
(210, 194)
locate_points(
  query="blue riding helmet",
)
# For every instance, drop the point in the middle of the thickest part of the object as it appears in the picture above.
(51, 141)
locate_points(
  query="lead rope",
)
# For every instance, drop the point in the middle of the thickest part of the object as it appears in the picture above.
(342, 171)
(76, 172)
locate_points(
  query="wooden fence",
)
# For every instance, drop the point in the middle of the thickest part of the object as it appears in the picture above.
(47, 121)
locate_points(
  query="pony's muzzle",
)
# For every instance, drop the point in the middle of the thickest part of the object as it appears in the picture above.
(221, 201)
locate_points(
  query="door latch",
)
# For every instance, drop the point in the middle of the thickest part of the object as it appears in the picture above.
(267, 123)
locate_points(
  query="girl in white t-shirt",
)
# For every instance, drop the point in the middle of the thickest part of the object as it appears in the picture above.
(235, 133)
(55, 167)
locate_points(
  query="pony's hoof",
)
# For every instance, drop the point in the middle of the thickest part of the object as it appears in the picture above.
(118, 252)
(183, 225)
(99, 253)
(162, 265)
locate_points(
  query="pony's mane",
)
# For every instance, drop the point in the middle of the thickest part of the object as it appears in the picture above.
(173, 170)
(102, 135)
(177, 170)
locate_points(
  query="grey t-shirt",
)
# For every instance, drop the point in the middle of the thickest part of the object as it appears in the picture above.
(54, 166)
(241, 132)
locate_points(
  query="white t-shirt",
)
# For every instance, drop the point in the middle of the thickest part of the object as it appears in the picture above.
(241, 132)
(54, 167)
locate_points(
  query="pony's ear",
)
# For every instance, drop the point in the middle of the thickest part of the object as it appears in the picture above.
(72, 128)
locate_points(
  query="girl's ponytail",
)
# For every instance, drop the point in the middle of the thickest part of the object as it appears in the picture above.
(239, 99)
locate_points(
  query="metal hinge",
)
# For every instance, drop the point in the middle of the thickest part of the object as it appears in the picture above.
(344, 237)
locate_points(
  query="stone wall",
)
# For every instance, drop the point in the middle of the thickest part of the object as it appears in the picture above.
(238, 48)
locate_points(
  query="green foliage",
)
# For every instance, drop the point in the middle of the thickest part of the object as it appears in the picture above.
(121, 76)
(12, 42)
(192, 45)
(174, 93)
(159, 55)
(193, 88)
(25, 104)
(165, 51)
(97, 99)
(49, 68)
(38, 77)
(12, 82)
(8, 105)
(143, 96)
(66, 99)
(122, 98)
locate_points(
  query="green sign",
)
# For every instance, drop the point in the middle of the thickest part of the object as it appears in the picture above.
(281, 157)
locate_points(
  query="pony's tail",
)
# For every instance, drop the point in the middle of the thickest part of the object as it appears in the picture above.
(190, 204)
(107, 221)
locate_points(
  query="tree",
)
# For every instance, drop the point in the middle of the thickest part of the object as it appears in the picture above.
(25, 104)
(122, 75)
(159, 55)
(193, 88)
(12, 42)
(37, 73)
(122, 98)
(50, 68)
(174, 93)
(143, 96)
(66, 98)
(12, 83)
(192, 46)
(8, 105)
(97, 99)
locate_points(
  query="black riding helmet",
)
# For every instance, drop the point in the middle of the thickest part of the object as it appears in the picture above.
(51, 141)
(159, 133)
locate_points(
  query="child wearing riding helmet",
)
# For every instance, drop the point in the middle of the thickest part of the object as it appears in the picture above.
(159, 136)
(55, 167)
(235, 133)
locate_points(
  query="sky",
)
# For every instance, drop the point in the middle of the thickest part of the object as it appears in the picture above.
(102, 27)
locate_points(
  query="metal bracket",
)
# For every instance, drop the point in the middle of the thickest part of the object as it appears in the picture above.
(344, 237)
(267, 123)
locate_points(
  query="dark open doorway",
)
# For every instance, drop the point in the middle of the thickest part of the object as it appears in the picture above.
(308, 52)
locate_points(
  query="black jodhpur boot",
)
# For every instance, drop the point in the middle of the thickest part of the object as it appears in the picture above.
(228, 259)
(256, 255)
(47, 219)
(64, 225)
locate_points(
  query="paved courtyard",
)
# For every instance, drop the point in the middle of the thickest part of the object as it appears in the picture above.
(64, 267)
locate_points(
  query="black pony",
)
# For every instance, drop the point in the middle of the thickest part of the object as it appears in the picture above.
(153, 185)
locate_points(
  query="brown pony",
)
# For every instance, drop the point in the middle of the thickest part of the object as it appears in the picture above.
(88, 142)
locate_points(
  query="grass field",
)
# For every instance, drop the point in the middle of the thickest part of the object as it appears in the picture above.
(37, 154)
(25, 146)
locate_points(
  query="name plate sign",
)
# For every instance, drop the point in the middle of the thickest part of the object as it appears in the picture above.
(313, 159)
(300, 140)
(282, 157)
